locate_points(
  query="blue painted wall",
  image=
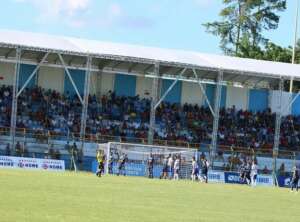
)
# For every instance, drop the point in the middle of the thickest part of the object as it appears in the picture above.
(125, 85)
(174, 96)
(258, 100)
(78, 77)
(25, 72)
(210, 92)
(296, 106)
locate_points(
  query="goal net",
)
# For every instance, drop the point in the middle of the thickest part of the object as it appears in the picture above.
(137, 158)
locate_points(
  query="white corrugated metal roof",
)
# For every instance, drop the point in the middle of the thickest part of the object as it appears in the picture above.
(152, 53)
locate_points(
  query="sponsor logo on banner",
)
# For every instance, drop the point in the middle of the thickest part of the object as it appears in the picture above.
(284, 181)
(6, 162)
(31, 163)
(232, 177)
(265, 180)
(216, 176)
(262, 180)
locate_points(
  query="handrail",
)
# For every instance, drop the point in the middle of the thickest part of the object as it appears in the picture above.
(48, 135)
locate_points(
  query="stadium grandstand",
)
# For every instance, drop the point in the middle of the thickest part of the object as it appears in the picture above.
(55, 90)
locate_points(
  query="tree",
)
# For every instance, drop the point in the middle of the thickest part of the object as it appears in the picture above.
(242, 24)
(231, 26)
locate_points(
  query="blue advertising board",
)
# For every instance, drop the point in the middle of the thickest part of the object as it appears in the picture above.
(284, 181)
(232, 177)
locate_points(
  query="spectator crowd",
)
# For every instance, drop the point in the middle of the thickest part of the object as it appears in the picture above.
(42, 110)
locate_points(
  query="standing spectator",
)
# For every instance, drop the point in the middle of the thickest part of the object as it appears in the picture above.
(57, 154)
(80, 158)
(18, 149)
(7, 149)
(24, 150)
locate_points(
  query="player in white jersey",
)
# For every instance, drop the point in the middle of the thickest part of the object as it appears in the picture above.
(176, 168)
(195, 169)
(254, 169)
(170, 166)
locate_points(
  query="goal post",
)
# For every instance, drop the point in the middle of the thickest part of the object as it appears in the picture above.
(138, 155)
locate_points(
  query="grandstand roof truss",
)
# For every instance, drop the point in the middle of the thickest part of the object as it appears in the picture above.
(91, 56)
(140, 67)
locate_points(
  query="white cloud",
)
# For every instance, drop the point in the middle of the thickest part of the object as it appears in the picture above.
(59, 10)
(80, 13)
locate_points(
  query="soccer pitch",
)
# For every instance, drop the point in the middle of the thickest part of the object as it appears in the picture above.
(70, 197)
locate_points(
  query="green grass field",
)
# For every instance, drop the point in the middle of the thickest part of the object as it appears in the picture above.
(40, 196)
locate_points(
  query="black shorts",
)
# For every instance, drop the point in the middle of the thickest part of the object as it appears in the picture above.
(242, 175)
(248, 176)
(165, 169)
(101, 166)
(122, 166)
(295, 181)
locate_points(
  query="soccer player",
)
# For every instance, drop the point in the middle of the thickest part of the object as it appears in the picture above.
(110, 163)
(122, 162)
(195, 169)
(243, 172)
(248, 172)
(170, 166)
(164, 174)
(204, 169)
(100, 159)
(176, 168)
(295, 179)
(150, 165)
(253, 173)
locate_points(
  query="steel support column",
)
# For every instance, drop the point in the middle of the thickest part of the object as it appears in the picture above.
(33, 73)
(217, 104)
(85, 104)
(277, 125)
(169, 89)
(155, 97)
(70, 77)
(203, 92)
(14, 107)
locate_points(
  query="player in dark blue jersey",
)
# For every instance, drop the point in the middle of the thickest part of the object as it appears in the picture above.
(123, 160)
(204, 170)
(150, 165)
(295, 179)
(165, 168)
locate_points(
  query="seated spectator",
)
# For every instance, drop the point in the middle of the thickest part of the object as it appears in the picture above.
(265, 170)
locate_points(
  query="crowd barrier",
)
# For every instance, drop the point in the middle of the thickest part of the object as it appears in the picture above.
(9, 162)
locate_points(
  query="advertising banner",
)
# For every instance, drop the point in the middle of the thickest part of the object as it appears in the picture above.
(31, 163)
(262, 180)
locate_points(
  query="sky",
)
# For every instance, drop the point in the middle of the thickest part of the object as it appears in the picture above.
(175, 24)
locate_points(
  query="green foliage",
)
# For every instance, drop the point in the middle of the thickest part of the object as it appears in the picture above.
(242, 24)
